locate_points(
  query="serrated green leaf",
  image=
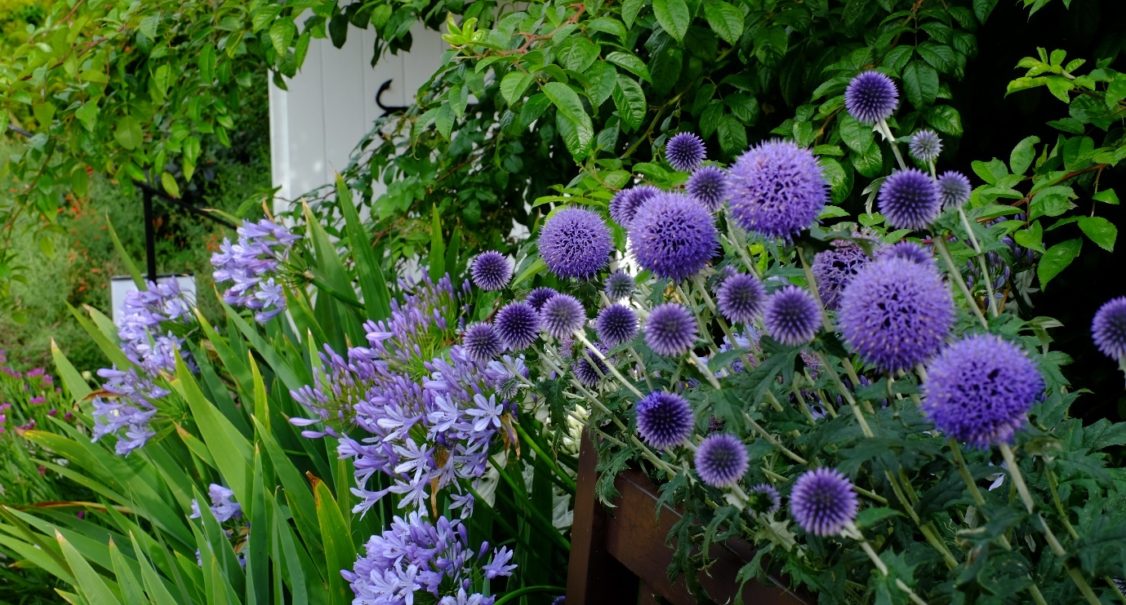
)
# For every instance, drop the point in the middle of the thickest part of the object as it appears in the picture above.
(1031, 237)
(856, 135)
(514, 84)
(1099, 230)
(577, 53)
(920, 83)
(1023, 154)
(1056, 259)
(725, 20)
(945, 119)
(629, 100)
(1106, 196)
(630, 63)
(732, 135)
(169, 183)
(673, 17)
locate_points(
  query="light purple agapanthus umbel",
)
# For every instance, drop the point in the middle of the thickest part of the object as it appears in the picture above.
(776, 189)
(673, 236)
(223, 505)
(1109, 328)
(575, 242)
(823, 501)
(252, 266)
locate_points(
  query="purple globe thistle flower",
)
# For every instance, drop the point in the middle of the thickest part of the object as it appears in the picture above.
(908, 251)
(517, 324)
(561, 315)
(490, 270)
(721, 460)
(740, 298)
(539, 296)
(925, 145)
(708, 185)
(624, 204)
(834, 269)
(670, 330)
(792, 316)
(979, 390)
(664, 419)
(589, 372)
(776, 189)
(685, 151)
(909, 199)
(768, 493)
(619, 285)
(1109, 328)
(575, 243)
(823, 501)
(896, 313)
(871, 97)
(482, 342)
(953, 189)
(615, 325)
(673, 236)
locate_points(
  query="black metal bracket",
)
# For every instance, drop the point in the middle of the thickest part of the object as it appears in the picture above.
(387, 109)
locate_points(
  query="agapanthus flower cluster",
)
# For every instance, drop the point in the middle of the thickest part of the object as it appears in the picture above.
(776, 189)
(252, 266)
(223, 505)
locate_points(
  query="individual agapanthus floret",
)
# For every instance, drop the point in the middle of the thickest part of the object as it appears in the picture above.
(575, 243)
(625, 203)
(589, 369)
(1108, 329)
(740, 298)
(776, 189)
(670, 329)
(909, 199)
(871, 97)
(770, 495)
(517, 324)
(925, 145)
(823, 501)
(619, 285)
(664, 419)
(685, 151)
(954, 189)
(708, 184)
(490, 270)
(561, 315)
(834, 269)
(979, 390)
(251, 264)
(896, 313)
(223, 505)
(792, 316)
(539, 296)
(907, 250)
(673, 236)
(721, 460)
(615, 324)
(482, 342)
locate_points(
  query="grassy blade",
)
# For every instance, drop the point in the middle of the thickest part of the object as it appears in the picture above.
(372, 283)
(89, 584)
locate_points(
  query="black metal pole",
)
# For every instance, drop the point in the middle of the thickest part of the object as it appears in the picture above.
(150, 236)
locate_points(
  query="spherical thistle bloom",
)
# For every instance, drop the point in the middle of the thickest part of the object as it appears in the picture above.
(670, 329)
(740, 298)
(490, 270)
(517, 324)
(776, 189)
(575, 243)
(823, 501)
(539, 296)
(624, 204)
(708, 185)
(896, 313)
(925, 145)
(909, 199)
(834, 268)
(1109, 328)
(673, 236)
(615, 325)
(619, 285)
(685, 151)
(561, 315)
(482, 342)
(911, 251)
(721, 460)
(664, 419)
(871, 97)
(589, 371)
(953, 189)
(792, 316)
(979, 390)
(769, 495)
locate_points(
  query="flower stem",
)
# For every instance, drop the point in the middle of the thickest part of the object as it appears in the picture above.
(772, 440)
(854, 532)
(945, 254)
(993, 312)
(883, 128)
(609, 365)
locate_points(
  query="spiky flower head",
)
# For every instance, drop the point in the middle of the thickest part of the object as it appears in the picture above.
(980, 389)
(664, 419)
(834, 269)
(589, 370)
(792, 316)
(539, 296)
(685, 151)
(619, 285)
(721, 460)
(908, 250)
(954, 189)
(561, 315)
(624, 204)
(740, 298)
(708, 185)
(776, 189)
(1109, 328)
(925, 145)
(896, 313)
(909, 199)
(767, 493)
(490, 270)
(482, 342)
(823, 501)
(575, 243)
(871, 97)
(517, 324)
(615, 324)
(670, 329)
(673, 236)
